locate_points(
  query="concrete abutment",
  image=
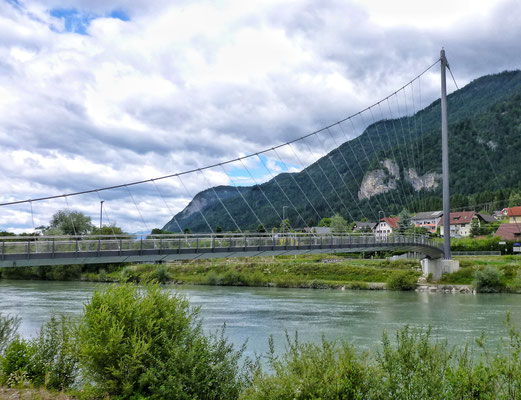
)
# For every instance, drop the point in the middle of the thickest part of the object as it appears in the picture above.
(438, 266)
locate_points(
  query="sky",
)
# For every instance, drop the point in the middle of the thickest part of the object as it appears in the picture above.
(99, 93)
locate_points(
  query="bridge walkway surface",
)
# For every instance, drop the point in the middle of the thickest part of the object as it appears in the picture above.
(60, 250)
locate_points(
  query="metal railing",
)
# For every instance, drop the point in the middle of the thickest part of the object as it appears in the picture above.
(92, 246)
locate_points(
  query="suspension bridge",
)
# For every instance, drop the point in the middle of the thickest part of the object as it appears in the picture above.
(333, 163)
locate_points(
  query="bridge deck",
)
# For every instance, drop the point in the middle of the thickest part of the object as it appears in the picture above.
(39, 251)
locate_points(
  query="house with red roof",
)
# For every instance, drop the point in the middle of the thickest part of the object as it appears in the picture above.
(460, 222)
(513, 214)
(386, 226)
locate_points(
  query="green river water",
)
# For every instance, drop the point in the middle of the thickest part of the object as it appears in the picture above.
(253, 314)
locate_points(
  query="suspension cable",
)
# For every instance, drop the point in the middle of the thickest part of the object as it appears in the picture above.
(220, 163)
(220, 200)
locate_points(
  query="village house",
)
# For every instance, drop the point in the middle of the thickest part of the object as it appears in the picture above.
(428, 219)
(385, 227)
(460, 222)
(361, 227)
(509, 232)
(513, 214)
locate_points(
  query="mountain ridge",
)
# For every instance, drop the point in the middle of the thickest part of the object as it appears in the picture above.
(413, 143)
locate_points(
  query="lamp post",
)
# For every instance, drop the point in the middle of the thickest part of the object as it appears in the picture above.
(100, 218)
(284, 219)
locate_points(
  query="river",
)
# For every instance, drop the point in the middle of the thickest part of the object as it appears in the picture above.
(253, 314)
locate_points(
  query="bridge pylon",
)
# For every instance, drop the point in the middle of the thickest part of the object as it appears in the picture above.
(437, 267)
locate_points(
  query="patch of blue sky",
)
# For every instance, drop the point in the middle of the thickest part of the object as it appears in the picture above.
(14, 3)
(76, 21)
(259, 173)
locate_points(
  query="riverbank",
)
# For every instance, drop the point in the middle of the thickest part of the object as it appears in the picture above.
(317, 271)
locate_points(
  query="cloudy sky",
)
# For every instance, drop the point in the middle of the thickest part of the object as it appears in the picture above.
(96, 93)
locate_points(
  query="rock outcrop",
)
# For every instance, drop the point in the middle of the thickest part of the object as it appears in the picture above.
(384, 179)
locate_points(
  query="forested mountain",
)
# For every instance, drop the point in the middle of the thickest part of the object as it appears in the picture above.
(394, 164)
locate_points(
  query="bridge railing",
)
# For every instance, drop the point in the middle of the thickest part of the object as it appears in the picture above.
(124, 243)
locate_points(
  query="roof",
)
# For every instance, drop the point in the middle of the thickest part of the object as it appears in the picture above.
(322, 229)
(488, 218)
(391, 221)
(513, 212)
(462, 217)
(509, 231)
(361, 224)
(427, 214)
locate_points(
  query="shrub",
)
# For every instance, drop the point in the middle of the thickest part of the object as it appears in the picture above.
(130, 274)
(213, 279)
(16, 362)
(102, 275)
(54, 363)
(161, 275)
(49, 360)
(488, 280)
(8, 328)
(142, 341)
(402, 280)
(311, 371)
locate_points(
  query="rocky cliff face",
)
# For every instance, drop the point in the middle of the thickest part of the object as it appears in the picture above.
(384, 179)
(379, 180)
(428, 181)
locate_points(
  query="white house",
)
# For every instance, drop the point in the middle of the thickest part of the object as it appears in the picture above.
(385, 227)
(460, 222)
(429, 219)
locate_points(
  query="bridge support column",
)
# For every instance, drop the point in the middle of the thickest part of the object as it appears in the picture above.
(438, 266)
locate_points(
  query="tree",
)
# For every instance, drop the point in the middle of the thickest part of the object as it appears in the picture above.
(514, 200)
(474, 227)
(261, 228)
(218, 229)
(404, 221)
(159, 231)
(70, 223)
(285, 226)
(325, 222)
(338, 224)
(111, 230)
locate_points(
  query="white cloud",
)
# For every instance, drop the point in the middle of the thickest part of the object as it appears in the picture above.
(187, 84)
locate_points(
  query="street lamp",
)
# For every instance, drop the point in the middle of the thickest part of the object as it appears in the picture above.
(284, 219)
(100, 217)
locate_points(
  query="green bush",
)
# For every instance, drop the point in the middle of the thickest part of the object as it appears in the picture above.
(402, 280)
(49, 360)
(8, 328)
(16, 362)
(310, 371)
(142, 341)
(488, 280)
(54, 363)
(161, 275)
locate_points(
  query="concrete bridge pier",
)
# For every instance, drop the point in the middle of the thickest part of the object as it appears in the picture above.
(438, 266)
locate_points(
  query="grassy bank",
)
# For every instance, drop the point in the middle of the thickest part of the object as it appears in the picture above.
(306, 271)
(507, 270)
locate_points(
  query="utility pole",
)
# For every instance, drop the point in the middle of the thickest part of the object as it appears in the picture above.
(445, 158)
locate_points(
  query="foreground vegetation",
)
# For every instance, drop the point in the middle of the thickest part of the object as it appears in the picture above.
(141, 342)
